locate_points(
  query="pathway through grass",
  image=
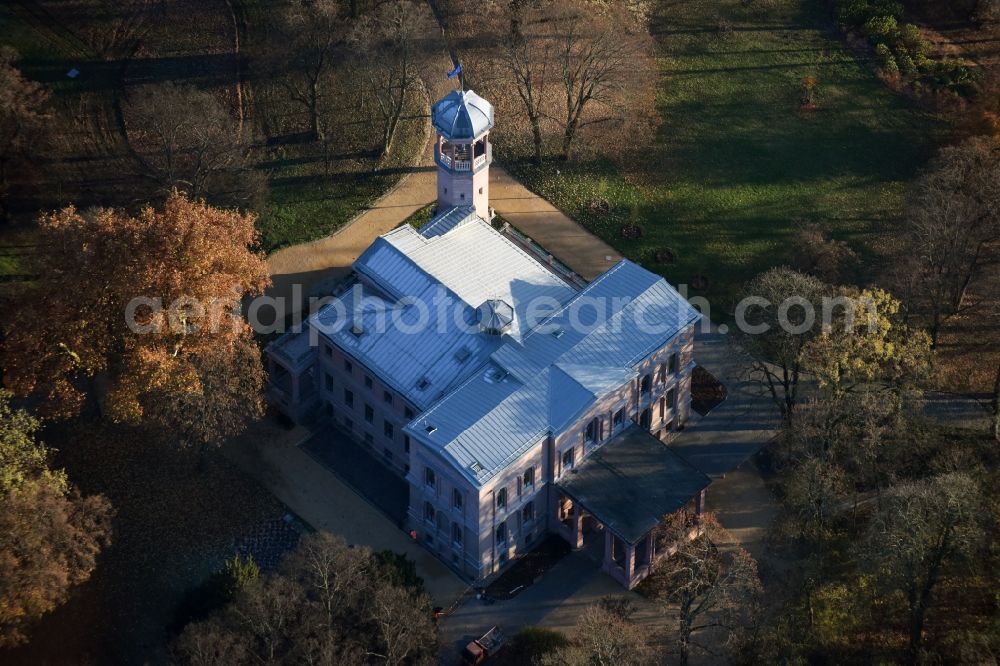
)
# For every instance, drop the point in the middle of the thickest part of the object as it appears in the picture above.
(736, 167)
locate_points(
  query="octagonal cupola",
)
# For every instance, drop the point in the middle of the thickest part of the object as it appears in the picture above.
(462, 120)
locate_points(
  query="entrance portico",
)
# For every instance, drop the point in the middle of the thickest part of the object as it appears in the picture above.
(625, 489)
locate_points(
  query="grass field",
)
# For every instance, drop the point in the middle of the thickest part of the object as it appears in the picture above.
(311, 195)
(735, 167)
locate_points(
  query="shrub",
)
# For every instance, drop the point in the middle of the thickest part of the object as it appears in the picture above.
(530, 646)
(216, 591)
(881, 29)
(910, 38)
(955, 75)
(857, 12)
(399, 570)
(905, 62)
(888, 60)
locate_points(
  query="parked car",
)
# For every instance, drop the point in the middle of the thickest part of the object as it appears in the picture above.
(484, 647)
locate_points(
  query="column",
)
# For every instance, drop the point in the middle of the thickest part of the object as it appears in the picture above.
(609, 561)
(629, 564)
(699, 503)
(577, 526)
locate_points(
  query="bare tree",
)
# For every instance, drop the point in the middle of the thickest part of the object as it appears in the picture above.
(598, 51)
(23, 118)
(774, 343)
(527, 54)
(188, 140)
(402, 621)
(386, 43)
(922, 528)
(602, 637)
(329, 604)
(119, 28)
(711, 585)
(953, 220)
(315, 31)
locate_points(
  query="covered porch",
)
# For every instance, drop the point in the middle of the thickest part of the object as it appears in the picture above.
(621, 493)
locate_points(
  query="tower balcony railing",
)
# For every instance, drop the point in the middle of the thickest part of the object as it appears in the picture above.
(449, 162)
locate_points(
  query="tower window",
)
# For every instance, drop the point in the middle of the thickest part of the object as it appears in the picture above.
(480, 190)
(462, 195)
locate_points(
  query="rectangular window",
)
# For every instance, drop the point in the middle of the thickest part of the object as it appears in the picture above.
(369, 414)
(671, 397)
(456, 499)
(674, 362)
(387, 397)
(349, 398)
(646, 385)
(348, 366)
(387, 429)
(567, 459)
(329, 351)
(529, 479)
(456, 534)
(502, 534)
(368, 382)
(329, 382)
(408, 413)
(430, 480)
(618, 419)
(429, 512)
(502, 498)
(528, 513)
(590, 434)
(406, 443)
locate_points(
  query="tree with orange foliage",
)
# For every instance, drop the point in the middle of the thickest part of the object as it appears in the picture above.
(148, 306)
(50, 535)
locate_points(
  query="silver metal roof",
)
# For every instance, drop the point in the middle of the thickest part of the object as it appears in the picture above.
(462, 114)
(542, 383)
(450, 275)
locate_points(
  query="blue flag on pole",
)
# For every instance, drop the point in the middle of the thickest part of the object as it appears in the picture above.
(455, 72)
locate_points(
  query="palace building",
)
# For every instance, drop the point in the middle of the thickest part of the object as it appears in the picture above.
(514, 399)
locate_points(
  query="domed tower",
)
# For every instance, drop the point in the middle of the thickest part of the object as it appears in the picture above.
(463, 153)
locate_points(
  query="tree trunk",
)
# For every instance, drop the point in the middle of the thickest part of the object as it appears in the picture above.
(916, 632)
(568, 137)
(314, 129)
(684, 634)
(536, 132)
(996, 406)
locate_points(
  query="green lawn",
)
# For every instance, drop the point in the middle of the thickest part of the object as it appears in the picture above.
(735, 167)
(310, 196)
